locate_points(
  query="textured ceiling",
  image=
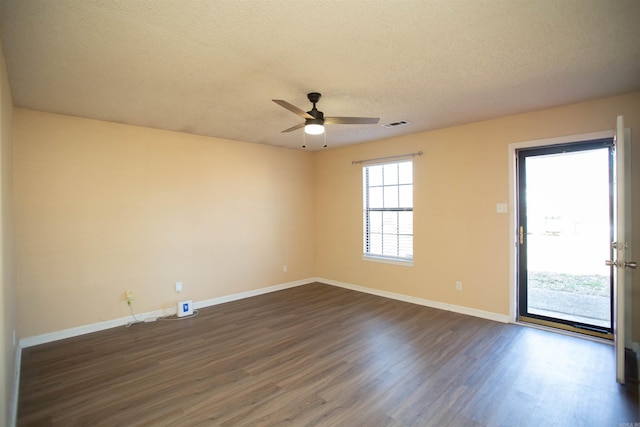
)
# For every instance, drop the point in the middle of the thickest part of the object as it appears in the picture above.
(213, 67)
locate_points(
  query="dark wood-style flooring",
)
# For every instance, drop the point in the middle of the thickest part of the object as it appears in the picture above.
(319, 355)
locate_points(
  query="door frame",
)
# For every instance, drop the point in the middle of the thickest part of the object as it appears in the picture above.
(580, 327)
(513, 200)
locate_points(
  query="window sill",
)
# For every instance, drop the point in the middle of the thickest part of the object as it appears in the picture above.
(387, 260)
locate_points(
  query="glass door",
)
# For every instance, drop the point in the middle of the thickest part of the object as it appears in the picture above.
(565, 230)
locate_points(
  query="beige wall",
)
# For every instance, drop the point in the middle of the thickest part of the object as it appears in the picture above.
(102, 208)
(458, 181)
(7, 285)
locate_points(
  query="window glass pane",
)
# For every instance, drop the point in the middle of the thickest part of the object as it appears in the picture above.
(375, 175)
(405, 222)
(391, 197)
(405, 173)
(388, 227)
(390, 222)
(375, 244)
(406, 196)
(375, 222)
(390, 245)
(390, 174)
(405, 248)
(375, 197)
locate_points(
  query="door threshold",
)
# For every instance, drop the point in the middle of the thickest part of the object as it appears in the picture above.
(573, 332)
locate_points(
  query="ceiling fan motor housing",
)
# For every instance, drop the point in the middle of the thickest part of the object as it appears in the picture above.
(314, 97)
(318, 115)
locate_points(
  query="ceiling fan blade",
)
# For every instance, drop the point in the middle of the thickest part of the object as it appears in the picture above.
(296, 127)
(351, 120)
(293, 109)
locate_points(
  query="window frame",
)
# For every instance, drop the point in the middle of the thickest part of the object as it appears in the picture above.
(367, 210)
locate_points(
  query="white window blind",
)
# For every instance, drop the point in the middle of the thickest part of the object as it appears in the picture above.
(388, 210)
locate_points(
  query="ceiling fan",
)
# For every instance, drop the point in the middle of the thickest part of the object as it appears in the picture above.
(314, 120)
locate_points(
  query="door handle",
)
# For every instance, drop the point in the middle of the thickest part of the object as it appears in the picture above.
(623, 264)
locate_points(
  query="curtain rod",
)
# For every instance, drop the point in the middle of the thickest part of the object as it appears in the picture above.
(399, 156)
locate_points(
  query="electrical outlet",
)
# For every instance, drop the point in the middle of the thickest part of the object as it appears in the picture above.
(458, 286)
(285, 268)
(130, 296)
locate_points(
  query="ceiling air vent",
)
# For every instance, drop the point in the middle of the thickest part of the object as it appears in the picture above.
(396, 124)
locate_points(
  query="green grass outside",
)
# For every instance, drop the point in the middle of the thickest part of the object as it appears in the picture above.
(594, 284)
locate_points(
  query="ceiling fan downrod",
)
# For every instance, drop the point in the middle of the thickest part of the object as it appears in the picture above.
(318, 116)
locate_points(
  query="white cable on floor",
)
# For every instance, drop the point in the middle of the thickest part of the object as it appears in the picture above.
(170, 317)
(135, 319)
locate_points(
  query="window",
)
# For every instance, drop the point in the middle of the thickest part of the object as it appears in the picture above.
(388, 211)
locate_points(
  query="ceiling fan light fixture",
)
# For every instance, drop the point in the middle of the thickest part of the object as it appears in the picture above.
(314, 127)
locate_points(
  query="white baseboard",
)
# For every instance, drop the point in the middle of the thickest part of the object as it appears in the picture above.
(82, 330)
(503, 318)
(114, 323)
(253, 293)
